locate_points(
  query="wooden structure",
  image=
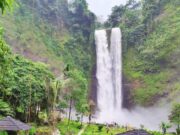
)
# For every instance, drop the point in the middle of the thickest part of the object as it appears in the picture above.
(11, 125)
(135, 132)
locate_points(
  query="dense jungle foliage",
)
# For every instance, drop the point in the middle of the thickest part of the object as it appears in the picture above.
(46, 32)
(151, 41)
(52, 32)
(47, 53)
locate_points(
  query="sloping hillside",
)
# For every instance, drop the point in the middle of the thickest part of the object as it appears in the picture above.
(152, 68)
(53, 32)
(43, 31)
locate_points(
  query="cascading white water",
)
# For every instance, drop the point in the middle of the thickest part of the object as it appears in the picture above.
(109, 76)
(116, 58)
(109, 87)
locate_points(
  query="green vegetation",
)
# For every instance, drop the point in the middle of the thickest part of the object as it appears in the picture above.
(61, 38)
(62, 35)
(73, 128)
(150, 47)
(3, 133)
(158, 133)
(89, 129)
(6, 4)
(164, 126)
(52, 46)
(146, 86)
(175, 117)
(24, 87)
(95, 129)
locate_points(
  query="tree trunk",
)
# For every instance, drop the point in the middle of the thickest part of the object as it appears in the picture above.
(90, 118)
(70, 108)
(81, 119)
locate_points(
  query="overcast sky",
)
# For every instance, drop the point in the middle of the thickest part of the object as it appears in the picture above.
(102, 8)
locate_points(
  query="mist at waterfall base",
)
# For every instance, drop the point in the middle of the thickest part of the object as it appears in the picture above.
(109, 87)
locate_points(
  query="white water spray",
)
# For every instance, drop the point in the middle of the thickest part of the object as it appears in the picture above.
(108, 74)
(116, 60)
(109, 87)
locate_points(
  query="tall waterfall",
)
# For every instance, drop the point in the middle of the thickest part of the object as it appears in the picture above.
(109, 74)
(109, 87)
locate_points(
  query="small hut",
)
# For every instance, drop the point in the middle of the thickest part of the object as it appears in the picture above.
(135, 132)
(12, 126)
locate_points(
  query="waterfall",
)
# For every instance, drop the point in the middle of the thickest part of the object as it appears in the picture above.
(109, 86)
(109, 74)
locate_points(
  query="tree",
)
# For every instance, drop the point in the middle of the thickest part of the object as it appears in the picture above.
(174, 117)
(75, 91)
(53, 93)
(53, 89)
(6, 4)
(164, 126)
(81, 19)
(28, 87)
(129, 18)
(5, 109)
(5, 67)
(116, 16)
(149, 12)
(82, 108)
(92, 106)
